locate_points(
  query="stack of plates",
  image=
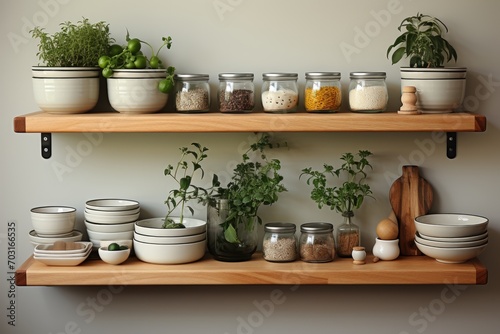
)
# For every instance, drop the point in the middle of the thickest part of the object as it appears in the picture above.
(36, 239)
(110, 219)
(451, 238)
(63, 253)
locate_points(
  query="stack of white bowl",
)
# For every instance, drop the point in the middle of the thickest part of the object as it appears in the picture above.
(52, 224)
(110, 219)
(63, 253)
(451, 238)
(155, 244)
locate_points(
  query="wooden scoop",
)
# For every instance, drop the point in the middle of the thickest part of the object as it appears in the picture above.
(410, 196)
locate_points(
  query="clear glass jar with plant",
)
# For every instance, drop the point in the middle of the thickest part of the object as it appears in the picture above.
(345, 195)
(233, 210)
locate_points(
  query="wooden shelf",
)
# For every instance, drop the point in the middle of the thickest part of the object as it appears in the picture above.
(257, 271)
(41, 122)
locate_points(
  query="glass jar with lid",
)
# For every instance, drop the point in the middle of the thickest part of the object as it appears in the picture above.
(280, 92)
(236, 92)
(368, 92)
(279, 243)
(316, 243)
(323, 92)
(192, 92)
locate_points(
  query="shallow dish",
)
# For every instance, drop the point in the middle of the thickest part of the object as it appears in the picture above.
(113, 256)
(450, 244)
(169, 254)
(457, 239)
(109, 227)
(170, 240)
(152, 227)
(450, 225)
(111, 204)
(116, 219)
(79, 248)
(451, 255)
(37, 240)
(63, 256)
(62, 261)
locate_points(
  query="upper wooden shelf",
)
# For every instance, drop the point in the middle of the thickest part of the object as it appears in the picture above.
(257, 271)
(41, 122)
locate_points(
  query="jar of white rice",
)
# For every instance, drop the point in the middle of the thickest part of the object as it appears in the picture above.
(368, 92)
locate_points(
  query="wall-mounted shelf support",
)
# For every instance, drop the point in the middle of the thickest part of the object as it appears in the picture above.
(46, 145)
(451, 145)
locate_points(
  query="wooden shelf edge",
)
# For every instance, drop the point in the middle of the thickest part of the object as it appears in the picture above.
(409, 270)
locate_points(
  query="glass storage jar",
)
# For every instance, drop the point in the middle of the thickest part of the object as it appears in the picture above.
(236, 92)
(279, 243)
(192, 92)
(316, 242)
(323, 92)
(368, 92)
(280, 92)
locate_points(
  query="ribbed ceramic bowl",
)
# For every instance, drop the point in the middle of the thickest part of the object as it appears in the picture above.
(53, 220)
(169, 254)
(153, 227)
(451, 255)
(450, 225)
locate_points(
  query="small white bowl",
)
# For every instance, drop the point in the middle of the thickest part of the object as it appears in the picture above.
(106, 243)
(450, 225)
(37, 240)
(170, 254)
(451, 255)
(113, 219)
(53, 220)
(111, 204)
(450, 244)
(127, 235)
(153, 227)
(109, 227)
(170, 240)
(113, 256)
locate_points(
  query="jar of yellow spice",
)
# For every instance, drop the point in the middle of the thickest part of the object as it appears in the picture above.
(323, 92)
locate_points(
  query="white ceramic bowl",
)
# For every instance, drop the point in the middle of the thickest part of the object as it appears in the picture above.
(70, 90)
(98, 236)
(152, 227)
(113, 256)
(53, 220)
(37, 240)
(170, 240)
(170, 254)
(107, 213)
(109, 227)
(450, 244)
(450, 225)
(110, 219)
(457, 239)
(451, 255)
(106, 243)
(111, 204)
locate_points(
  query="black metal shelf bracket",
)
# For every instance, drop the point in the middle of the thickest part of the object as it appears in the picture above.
(46, 145)
(451, 145)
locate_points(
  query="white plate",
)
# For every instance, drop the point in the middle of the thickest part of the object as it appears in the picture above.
(36, 240)
(80, 247)
(111, 204)
(63, 261)
(64, 256)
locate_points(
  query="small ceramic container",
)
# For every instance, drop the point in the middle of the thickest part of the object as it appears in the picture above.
(386, 249)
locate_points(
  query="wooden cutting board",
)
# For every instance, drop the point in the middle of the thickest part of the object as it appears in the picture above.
(410, 196)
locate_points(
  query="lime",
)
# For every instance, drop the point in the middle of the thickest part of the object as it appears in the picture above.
(113, 246)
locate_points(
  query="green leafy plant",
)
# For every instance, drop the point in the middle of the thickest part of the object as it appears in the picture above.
(422, 42)
(75, 45)
(182, 173)
(253, 184)
(131, 56)
(344, 196)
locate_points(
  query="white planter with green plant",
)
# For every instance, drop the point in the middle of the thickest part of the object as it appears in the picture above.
(439, 89)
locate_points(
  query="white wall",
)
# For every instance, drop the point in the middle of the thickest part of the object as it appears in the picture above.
(256, 36)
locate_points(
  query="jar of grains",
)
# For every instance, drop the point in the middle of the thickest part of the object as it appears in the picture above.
(279, 243)
(316, 242)
(323, 92)
(236, 92)
(280, 93)
(368, 92)
(192, 92)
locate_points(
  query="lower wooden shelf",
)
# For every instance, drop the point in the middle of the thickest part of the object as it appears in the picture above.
(405, 270)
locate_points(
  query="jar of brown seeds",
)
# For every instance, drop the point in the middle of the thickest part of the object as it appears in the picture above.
(236, 92)
(316, 242)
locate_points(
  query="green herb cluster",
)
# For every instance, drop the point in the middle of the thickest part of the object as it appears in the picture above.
(422, 42)
(75, 45)
(347, 195)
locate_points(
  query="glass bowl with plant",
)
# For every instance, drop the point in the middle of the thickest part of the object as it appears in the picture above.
(343, 190)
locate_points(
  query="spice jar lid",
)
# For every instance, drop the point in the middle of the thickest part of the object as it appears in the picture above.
(187, 77)
(279, 227)
(322, 75)
(234, 76)
(280, 76)
(367, 75)
(316, 227)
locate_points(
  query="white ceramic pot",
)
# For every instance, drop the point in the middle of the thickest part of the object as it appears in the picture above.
(136, 91)
(439, 90)
(65, 90)
(386, 249)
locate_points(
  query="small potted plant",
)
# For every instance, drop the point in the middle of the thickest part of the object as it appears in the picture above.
(439, 89)
(68, 80)
(232, 215)
(344, 194)
(137, 83)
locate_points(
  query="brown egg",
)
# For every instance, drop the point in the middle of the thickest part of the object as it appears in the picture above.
(387, 229)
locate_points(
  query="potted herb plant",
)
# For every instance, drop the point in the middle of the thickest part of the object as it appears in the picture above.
(137, 83)
(232, 214)
(439, 89)
(344, 194)
(67, 55)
